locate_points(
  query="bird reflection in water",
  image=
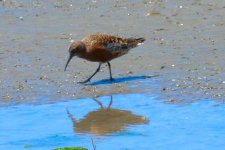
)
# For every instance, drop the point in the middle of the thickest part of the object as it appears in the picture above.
(106, 120)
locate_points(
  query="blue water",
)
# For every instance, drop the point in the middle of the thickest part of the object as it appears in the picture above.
(143, 122)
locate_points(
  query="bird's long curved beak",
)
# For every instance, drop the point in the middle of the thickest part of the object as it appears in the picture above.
(70, 57)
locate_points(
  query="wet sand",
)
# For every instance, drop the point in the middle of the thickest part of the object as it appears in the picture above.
(182, 59)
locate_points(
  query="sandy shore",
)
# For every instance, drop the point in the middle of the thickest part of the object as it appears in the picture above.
(184, 51)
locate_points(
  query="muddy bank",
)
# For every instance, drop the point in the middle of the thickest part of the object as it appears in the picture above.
(184, 51)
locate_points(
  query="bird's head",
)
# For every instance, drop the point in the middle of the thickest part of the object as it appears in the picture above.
(76, 49)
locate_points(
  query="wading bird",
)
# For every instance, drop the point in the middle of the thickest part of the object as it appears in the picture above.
(102, 48)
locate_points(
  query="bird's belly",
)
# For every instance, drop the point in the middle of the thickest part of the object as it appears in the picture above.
(101, 56)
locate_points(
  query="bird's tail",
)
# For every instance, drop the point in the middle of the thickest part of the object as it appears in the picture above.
(140, 40)
(136, 41)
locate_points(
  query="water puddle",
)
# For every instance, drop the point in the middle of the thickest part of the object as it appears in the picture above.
(117, 122)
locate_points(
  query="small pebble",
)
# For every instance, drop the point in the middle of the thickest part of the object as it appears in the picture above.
(21, 17)
(162, 67)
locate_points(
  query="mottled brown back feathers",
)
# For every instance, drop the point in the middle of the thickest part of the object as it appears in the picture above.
(111, 43)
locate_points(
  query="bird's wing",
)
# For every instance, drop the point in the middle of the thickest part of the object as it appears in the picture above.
(111, 43)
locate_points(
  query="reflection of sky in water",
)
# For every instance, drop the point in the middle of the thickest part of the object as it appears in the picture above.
(199, 125)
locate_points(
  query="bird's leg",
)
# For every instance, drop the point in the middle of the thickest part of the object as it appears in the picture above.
(97, 70)
(111, 78)
(110, 103)
(100, 103)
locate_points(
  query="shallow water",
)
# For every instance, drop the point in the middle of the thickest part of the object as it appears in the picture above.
(134, 121)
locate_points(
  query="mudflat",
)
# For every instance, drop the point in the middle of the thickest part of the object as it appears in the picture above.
(182, 58)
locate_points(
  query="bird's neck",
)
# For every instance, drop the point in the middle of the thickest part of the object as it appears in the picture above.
(82, 52)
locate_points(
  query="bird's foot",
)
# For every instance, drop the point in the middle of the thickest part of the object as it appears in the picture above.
(112, 80)
(83, 82)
